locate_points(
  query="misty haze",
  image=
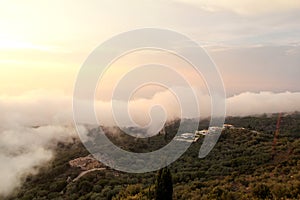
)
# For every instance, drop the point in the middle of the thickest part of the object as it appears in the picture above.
(155, 125)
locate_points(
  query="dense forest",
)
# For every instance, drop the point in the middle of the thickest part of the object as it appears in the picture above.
(248, 162)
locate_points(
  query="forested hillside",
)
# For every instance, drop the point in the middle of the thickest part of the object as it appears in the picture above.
(246, 163)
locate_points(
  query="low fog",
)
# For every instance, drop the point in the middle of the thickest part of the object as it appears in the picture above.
(32, 124)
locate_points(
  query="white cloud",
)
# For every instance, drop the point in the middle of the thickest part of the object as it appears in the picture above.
(247, 6)
(13, 169)
(23, 149)
(264, 102)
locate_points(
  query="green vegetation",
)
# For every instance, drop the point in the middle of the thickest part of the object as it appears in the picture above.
(243, 165)
(164, 185)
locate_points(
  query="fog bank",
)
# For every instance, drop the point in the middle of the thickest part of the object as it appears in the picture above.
(32, 124)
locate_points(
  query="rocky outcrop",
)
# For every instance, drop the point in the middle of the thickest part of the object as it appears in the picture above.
(86, 163)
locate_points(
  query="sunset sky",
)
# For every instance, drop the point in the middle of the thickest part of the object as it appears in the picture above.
(43, 44)
(255, 44)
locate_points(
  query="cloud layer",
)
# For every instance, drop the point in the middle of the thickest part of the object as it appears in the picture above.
(247, 6)
(24, 148)
(31, 126)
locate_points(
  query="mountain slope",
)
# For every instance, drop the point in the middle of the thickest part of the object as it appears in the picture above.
(243, 165)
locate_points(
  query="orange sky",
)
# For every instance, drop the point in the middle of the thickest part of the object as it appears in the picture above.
(43, 44)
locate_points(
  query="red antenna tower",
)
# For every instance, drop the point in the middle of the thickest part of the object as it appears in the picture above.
(276, 134)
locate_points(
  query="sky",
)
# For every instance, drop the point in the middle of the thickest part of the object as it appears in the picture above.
(43, 41)
(254, 43)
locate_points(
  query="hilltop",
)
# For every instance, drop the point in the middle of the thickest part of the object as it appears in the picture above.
(245, 164)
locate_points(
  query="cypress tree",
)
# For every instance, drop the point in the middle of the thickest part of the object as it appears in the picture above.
(164, 185)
